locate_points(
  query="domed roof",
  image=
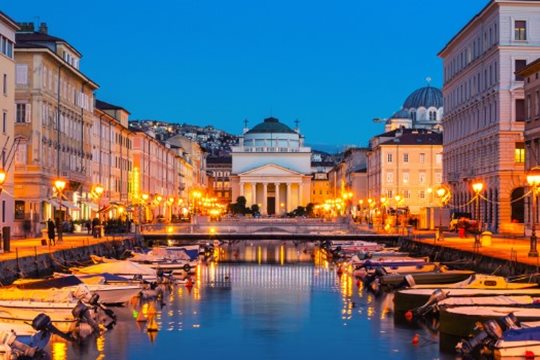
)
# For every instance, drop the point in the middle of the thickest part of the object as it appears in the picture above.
(271, 125)
(424, 97)
(401, 114)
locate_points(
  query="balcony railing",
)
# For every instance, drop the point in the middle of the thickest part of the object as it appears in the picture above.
(272, 149)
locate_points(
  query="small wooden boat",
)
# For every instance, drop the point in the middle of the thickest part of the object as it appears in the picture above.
(426, 277)
(124, 268)
(476, 285)
(461, 321)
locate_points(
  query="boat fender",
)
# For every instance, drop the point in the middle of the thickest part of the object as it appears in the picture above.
(408, 315)
(529, 355)
(415, 339)
(187, 267)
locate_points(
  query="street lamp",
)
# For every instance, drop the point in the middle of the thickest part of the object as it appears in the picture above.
(443, 193)
(144, 197)
(2, 180)
(59, 185)
(477, 188)
(533, 178)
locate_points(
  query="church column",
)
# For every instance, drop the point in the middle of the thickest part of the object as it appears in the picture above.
(241, 189)
(265, 199)
(253, 193)
(289, 197)
(277, 207)
(300, 195)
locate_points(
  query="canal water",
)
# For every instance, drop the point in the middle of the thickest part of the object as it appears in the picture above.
(268, 302)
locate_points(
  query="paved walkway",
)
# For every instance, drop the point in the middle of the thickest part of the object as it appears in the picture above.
(32, 247)
(502, 247)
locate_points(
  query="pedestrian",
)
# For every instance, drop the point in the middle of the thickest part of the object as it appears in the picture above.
(95, 229)
(51, 231)
(88, 225)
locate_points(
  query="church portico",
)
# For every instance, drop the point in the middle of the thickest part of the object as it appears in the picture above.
(271, 168)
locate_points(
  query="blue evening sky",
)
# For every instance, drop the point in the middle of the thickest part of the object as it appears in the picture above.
(334, 65)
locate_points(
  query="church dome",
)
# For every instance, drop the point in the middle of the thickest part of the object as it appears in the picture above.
(424, 97)
(271, 125)
(401, 114)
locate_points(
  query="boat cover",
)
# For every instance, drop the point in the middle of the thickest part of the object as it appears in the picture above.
(102, 278)
(527, 334)
(50, 283)
(487, 300)
(121, 267)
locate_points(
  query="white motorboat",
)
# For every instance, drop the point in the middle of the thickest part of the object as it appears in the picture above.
(481, 281)
(118, 291)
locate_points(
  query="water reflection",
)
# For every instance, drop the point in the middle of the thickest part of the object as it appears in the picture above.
(283, 310)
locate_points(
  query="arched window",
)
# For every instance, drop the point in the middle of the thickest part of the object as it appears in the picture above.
(518, 205)
(413, 114)
(433, 115)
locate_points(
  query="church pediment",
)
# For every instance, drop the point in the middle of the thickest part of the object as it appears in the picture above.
(270, 170)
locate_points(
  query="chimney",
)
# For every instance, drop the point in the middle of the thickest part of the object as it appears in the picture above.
(43, 28)
(26, 26)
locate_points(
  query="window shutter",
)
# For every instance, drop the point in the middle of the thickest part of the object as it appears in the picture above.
(28, 113)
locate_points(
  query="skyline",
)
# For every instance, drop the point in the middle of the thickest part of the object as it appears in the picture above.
(226, 63)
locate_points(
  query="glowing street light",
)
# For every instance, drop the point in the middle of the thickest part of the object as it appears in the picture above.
(477, 188)
(59, 185)
(533, 178)
(2, 180)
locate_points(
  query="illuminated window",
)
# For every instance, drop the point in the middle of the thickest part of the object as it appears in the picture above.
(520, 30)
(519, 152)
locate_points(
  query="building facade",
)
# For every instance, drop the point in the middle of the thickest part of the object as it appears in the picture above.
(485, 109)
(219, 168)
(404, 166)
(112, 168)
(7, 112)
(54, 116)
(271, 167)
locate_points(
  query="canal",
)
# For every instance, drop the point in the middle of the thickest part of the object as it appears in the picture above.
(261, 302)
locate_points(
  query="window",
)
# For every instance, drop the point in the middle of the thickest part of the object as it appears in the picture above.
(413, 115)
(406, 194)
(422, 194)
(389, 178)
(4, 122)
(422, 178)
(4, 85)
(422, 158)
(19, 210)
(20, 157)
(438, 159)
(389, 157)
(519, 152)
(406, 158)
(520, 110)
(21, 74)
(433, 115)
(22, 115)
(518, 66)
(537, 103)
(405, 177)
(520, 30)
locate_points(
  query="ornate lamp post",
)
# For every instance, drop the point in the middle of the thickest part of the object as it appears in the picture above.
(443, 193)
(533, 178)
(144, 198)
(59, 185)
(477, 188)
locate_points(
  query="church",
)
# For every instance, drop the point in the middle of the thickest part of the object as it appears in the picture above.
(271, 167)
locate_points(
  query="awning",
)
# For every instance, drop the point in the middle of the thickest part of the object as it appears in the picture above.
(91, 205)
(105, 208)
(70, 205)
(54, 203)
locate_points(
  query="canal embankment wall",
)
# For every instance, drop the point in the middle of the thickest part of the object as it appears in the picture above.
(476, 261)
(45, 263)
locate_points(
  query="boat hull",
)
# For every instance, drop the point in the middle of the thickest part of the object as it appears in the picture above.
(446, 277)
(114, 294)
(460, 322)
(409, 299)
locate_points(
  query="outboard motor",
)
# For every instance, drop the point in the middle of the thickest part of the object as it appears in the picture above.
(430, 306)
(492, 331)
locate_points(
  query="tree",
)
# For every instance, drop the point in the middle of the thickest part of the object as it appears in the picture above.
(309, 209)
(254, 209)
